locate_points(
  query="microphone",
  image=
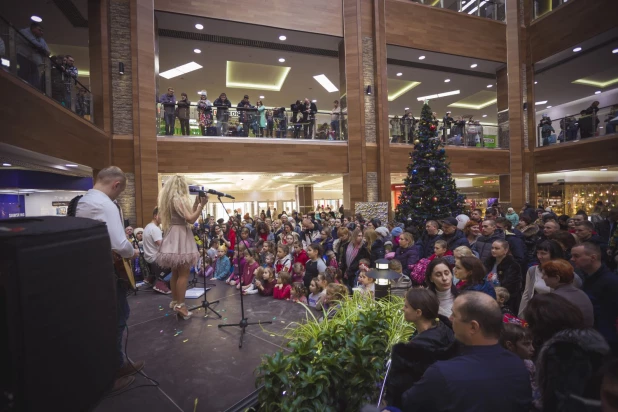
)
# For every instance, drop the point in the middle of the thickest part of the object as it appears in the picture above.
(219, 194)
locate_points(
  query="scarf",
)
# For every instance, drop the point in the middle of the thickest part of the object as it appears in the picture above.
(351, 252)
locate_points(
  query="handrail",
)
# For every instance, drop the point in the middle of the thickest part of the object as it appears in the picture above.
(34, 45)
(574, 127)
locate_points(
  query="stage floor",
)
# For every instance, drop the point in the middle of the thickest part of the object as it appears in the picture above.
(203, 362)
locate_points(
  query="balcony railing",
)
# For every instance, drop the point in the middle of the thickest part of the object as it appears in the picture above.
(490, 9)
(574, 128)
(459, 133)
(272, 122)
(542, 7)
(55, 78)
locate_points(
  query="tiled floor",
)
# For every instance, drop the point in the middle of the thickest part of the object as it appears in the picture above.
(203, 362)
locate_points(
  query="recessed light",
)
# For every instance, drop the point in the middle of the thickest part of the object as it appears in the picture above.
(71, 165)
(261, 97)
(540, 103)
(282, 38)
(473, 66)
(406, 108)
(314, 101)
(36, 19)
(421, 57)
(325, 83)
(199, 26)
(549, 107)
(484, 115)
(597, 92)
(536, 82)
(198, 51)
(604, 169)
(447, 80)
(180, 70)
(399, 74)
(7, 164)
(577, 49)
(281, 60)
(489, 86)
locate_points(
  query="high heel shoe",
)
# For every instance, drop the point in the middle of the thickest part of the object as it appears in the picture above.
(172, 304)
(177, 309)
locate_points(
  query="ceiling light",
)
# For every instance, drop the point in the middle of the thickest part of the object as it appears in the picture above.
(549, 107)
(489, 86)
(326, 83)
(198, 51)
(5, 62)
(261, 97)
(281, 60)
(597, 92)
(180, 70)
(282, 38)
(7, 164)
(602, 85)
(421, 58)
(406, 108)
(400, 74)
(604, 169)
(447, 80)
(473, 66)
(36, 19)
(314, 101)
(71, 165)
(233, 67)
(473, 106)
(577, 49)
(399, 92)
(536, 82)
(484, 115)
(199, 26)
(435, 96)
(540, 103)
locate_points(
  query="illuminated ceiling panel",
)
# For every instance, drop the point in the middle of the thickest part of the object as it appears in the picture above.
(601, 80)
(477, 101)
(397, 88)
(255, 76)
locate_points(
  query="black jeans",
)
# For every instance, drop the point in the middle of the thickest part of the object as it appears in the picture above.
(184, 127)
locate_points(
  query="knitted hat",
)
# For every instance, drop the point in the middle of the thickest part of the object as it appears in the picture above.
(396, 231)
(382, 231)
(138, 230)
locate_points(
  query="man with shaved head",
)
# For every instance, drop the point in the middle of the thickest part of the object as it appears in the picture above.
(475, 380)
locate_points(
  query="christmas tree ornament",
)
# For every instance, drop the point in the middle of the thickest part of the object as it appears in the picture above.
(435, 199)
(432, 127)
(432, 169)
(417, 141)
(414, 172)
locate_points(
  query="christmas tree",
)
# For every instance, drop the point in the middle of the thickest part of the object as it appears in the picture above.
(430, 192)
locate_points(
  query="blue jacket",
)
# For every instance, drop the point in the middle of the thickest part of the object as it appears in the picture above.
(407, 256)
(222, 268)
(485, 287)
(602, 288)
(455, 240)
(482, 378)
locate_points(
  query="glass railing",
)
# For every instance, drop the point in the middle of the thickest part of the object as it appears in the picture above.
(459, 133)
(574, 128)
(24, 55)
(490, 9)
(174, 119)
(542, 7)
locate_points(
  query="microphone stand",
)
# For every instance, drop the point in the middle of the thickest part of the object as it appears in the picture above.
(205, 303)
(244, 321)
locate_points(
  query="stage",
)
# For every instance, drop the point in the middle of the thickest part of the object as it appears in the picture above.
(203, 361)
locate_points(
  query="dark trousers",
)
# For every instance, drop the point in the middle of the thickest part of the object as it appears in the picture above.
(169, 123)
(308, 129)
(184, 127)
(29, 71)
(334, 124)
(123, 311)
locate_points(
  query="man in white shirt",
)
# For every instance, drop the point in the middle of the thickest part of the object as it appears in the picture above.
(152, 240)
(98, 204)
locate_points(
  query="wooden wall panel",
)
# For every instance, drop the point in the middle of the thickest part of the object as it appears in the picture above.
(372, 157)
(417, 26)
(594, 152)
(100, 65)
(186, 155)
(591, 17)
(34, 122)
(122, 153)
(463, 160)
(502, 89)
(315, 16)
(367, 17)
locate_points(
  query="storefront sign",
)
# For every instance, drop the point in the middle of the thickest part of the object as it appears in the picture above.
(491, 182)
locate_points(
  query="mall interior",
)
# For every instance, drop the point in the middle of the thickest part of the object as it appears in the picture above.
(500, 74)
(509, 80)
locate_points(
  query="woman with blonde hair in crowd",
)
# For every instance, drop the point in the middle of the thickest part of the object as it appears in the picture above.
(178, 250)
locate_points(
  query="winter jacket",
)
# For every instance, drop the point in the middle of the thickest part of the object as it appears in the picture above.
(533, 273)
(349, 269)
(410, 360)
(517, 248)
(455, 240)
(168, 103)
(426, 244)
(407, 256)
(327, 244)
(509, 276)
(183, 110)
(301, 257)
(377, 251)
(513, 218)
(567, 369)
(485, 287)
(598, 240)
(579, 298)
(602, 288)
(483, 245)
(531, 238)
(222, 106)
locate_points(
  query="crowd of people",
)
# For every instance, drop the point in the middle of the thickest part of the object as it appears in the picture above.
(221, 118)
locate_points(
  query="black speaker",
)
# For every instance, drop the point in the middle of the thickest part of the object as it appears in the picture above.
(57, 314)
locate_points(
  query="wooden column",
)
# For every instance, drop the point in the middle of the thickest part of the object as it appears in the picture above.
(100, 77)
(304, 198)
(357, 176)
(144, 129)
(381, 102)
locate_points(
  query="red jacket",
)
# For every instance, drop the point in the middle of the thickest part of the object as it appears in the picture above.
(282, 293)
(301, 257)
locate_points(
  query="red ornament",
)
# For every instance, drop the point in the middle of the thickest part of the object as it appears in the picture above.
(435, 199)
(432, 127)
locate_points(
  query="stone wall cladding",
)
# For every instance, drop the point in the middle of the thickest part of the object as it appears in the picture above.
(372, 186)
(369, 79)
(126, 200)
(122, 84)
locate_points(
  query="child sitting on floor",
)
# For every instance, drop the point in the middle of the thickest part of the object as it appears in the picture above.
(248, 273)
(212, 251)
(258, 275)
(222, 270)
(283, 287)
(269, 261)
(266, 285)
(284, 260)
(316, 293)
(517, 339)
(299, 293)
(207, 264)
(238, 265)
(298, 271)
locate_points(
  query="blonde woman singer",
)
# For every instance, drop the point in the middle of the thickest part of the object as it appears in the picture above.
(178, 250)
